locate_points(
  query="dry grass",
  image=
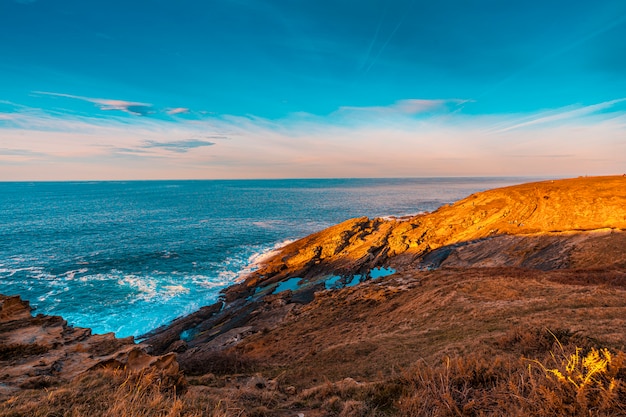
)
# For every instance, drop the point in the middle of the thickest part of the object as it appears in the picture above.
(567, 381)
(116, 393)
(349, 398)
(522, 373)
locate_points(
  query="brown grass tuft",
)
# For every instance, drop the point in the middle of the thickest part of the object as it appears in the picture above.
(115, 393)
(554, 379)
(568, 381)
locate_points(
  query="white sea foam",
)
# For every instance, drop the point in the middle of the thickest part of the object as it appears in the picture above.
(34, 269)
(174, 290)
(99, 277)
(214, 284)
(70, 275)
(258, 258)
(268, 224)
(144, 285)
(207, 281)
(227, 276)
(403, 216)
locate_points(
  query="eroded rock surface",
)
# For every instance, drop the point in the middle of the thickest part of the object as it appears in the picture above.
(42, 351)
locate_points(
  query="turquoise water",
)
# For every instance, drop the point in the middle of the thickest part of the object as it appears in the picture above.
(127, 257)
(291, 284)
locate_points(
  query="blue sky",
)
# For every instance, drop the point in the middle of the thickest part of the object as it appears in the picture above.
(290, 88)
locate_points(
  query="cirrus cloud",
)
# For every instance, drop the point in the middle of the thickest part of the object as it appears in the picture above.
(178, 110)
(180, 146)
(131, 107)
(571, 140)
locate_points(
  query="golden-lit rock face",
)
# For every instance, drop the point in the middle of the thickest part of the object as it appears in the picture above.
(534, 209)
(572, 225)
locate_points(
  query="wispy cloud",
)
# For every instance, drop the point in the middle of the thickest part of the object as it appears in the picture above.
(538, 155)
(389, 38)
(559, 115)
(407, 107)
(19, 152)
(370, 141)
(130, 107)
(180, 146)
(178, 110)
(134, 151)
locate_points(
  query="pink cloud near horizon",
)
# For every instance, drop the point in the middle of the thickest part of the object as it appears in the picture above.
(576, 140)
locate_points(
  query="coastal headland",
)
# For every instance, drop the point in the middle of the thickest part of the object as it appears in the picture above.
(511, 301)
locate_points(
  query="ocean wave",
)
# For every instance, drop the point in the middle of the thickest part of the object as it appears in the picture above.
(402, 216)
(150, 288)
(12, 271)
(145, 286)
(268, 224)
(70, 275)
(174, 290)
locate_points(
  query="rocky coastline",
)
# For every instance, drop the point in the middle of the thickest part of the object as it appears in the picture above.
(353, 307)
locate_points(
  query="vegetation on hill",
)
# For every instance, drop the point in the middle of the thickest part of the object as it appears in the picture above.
(508, 303)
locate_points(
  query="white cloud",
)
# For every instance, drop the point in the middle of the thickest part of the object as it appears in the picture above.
(130, 107)
(407, 107)
(572, 112)
(178, 110)
(180, 146)
(564, 142)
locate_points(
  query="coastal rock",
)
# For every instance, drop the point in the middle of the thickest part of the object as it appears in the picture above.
(534, 209)
(318, 329)
(42, 351)
(574, 224)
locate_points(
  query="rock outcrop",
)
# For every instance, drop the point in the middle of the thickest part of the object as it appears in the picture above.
(42, 351)
(535, 209)
(551, 225)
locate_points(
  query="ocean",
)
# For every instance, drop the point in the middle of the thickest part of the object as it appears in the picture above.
(128, 257)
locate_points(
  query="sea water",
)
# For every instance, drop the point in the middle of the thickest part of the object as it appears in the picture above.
(127, 257)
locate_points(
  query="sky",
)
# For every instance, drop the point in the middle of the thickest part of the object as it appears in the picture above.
(201, 89)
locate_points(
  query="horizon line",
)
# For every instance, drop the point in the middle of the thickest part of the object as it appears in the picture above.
(538, 177)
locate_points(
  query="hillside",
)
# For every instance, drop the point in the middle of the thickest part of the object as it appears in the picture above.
(468, 310)
(553, 225)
